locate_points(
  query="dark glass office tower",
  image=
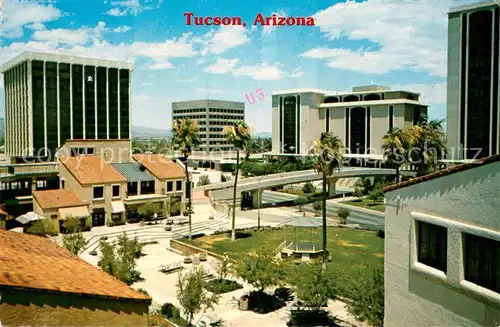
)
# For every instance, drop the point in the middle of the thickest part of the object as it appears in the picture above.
(473, 88)
(358, 130)
(289, 124)
(53, 98)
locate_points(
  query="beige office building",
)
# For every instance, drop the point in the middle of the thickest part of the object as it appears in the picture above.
(360, 118)
(212, 116)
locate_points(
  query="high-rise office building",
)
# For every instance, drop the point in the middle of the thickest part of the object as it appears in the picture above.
(473, 108)
(51, 98)
(212, 116)
(360, 118)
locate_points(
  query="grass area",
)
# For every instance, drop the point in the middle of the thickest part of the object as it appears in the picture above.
(367, 204)
(354, 253)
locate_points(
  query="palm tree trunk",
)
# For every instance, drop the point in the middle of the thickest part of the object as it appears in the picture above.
(188, 185)
(233, 222)
(324, 213)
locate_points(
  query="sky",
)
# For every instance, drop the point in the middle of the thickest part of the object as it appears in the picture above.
(398, 43)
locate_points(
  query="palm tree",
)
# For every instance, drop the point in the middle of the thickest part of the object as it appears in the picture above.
(329, 150)
(185, 138)
(395, 146)
(428, 140)
(240, 136)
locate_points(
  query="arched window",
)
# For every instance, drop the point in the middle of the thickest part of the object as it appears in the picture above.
(351, 98)
(331, 100)
(371, 97)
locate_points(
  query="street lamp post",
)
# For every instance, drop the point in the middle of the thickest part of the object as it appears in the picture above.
(259, 178)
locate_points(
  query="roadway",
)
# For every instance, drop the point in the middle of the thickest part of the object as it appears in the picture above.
(270, 197)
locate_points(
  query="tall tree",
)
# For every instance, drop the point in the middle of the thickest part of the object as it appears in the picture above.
(395, 146)
(329, 150)
(427, 143)
(185, 137)
(240, 136)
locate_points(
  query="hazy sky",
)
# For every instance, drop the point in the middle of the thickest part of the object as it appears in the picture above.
(400, 43)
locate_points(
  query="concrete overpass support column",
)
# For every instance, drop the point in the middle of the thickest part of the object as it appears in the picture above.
(332, 187)
(256, 199)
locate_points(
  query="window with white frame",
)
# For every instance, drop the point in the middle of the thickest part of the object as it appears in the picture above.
(482, 261)
(432, 245)
(170, 186)
(98, 192)
(178, 185)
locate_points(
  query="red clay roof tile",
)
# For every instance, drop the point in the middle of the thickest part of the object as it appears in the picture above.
(50, 199)
(36, 262)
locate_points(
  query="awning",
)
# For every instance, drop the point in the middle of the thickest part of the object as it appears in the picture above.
(29, 217)
(117, 206)
(76, 212)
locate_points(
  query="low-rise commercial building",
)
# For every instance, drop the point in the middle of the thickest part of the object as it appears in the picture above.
(43, 284)
(442, 248)
(59, 205)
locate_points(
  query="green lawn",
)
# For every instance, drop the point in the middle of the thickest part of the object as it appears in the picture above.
(354, 253)
(367, 204)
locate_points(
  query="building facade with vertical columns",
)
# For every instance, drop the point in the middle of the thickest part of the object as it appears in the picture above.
(360, 118)
(473, 107)
(51, 98)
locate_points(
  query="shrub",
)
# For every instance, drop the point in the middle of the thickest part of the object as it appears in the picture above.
(343, 213)
(143, 291)
(309, 188)
(220, 286)
(169, 310)
(110, 223)
(224, 178)
(318, 206)
(148, 209)
(381, 234)
(42, 227)
(204, 180)
(284, 294)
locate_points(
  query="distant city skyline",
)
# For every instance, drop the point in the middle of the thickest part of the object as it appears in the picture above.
(406, 48)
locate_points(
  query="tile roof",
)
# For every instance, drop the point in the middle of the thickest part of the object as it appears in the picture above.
(35, 262)
(444, 172)
(132, 172)
(52, 199)
(91, 170)
(160, 166)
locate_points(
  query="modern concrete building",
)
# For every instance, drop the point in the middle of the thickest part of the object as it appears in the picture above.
(442, 248)
(51, 98)
(473, 108)
(360, 118)
(212, 116)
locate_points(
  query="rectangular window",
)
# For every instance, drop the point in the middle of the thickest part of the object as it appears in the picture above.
(64, 103)
(178, 186)
(102, 132)
(98, 192)
(482, 261)
(90, 102)
(432, 245)
(90, 150)
(116, 216)
(113, 102)
(170, 186)
(116, 191)
(51, 103)
(124, 103)
(77, 97)
(37, 82)
(391, 118)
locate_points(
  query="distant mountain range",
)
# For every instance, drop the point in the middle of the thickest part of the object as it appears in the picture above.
(142, 131)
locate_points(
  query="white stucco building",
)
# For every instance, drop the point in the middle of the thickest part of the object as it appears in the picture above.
(442, 248)
(360, 117)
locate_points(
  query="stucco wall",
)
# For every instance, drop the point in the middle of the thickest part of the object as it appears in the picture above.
(415, 296)
(109, 150)
(44, 309)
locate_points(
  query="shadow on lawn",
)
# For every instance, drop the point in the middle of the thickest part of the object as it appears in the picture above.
(262, 302)
(310, 318)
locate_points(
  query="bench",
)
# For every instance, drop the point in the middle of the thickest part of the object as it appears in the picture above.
(172, 267)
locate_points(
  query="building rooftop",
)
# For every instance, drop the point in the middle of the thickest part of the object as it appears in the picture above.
(472, 6)
(133, 172)
(444, 172)
(37, 263)
(355, 90)
(160, 166)
(54, 199)
(65, 57)
(91, 170)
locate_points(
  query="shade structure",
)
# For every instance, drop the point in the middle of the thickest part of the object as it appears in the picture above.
(117, 206)
(76, 212)
(303, 222)
(29, 217)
